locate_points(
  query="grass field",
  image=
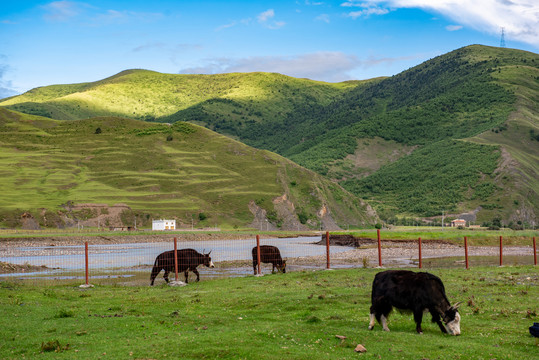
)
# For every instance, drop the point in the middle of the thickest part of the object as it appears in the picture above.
(290, 316)
(456, 236)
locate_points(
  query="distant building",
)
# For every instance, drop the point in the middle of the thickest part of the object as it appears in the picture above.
(121, 228)
(163, 224)
(458, 222)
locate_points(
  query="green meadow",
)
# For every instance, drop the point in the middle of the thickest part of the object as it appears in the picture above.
(282, 316)
(452, 235)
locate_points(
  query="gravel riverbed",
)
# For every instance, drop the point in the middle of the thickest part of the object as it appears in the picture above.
(394, 252)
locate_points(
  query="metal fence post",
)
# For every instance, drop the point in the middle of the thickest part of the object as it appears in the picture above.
(176, 258)
(327, 250)
(501, 250)
(86, 260)
(258, 252)
(534, 252)
(379, 248)
(420, 262)
(466, 251)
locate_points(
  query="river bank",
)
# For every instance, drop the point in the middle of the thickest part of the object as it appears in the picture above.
(351, 251)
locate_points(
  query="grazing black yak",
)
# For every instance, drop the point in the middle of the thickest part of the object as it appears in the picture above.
(269, 254)
(418, 292)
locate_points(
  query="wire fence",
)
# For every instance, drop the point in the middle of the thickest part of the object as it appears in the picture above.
(131, 263)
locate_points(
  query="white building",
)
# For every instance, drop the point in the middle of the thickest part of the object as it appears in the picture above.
(163, 224)
(458, 222)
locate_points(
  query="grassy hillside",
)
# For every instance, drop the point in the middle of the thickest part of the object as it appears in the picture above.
(501, 176)
(147, 95)
(518, 171)
(475, 94)
(456, 133)
(182, 171)
(434, 178)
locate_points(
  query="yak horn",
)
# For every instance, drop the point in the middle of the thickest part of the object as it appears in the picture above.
(210, 252)
(456, 306)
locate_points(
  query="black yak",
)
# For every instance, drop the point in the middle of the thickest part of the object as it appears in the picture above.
(416, 292)
(269, 254)
(188, 259)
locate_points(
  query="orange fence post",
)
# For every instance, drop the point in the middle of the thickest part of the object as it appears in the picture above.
(534, 252)
(420, 263)
(86, 259)
(379, 248)
(258, 252)
(176, 258)
(466, 251)
(501, 250)
(327, 249)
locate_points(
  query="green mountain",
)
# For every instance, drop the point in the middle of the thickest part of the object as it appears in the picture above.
(461, 125)
(239, 99)
(455, 134)
(472, 115)
(113, 171)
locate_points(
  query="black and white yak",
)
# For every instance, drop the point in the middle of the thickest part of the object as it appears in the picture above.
(416, 292)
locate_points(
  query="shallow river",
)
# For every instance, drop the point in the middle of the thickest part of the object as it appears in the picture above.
(108, 256)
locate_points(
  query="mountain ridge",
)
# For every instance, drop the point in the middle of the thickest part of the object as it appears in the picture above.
(476, 95)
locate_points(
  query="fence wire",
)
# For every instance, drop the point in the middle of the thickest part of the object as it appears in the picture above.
(131, 263)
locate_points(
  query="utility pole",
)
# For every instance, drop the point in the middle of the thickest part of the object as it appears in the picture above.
(442, 220)
(502, 40)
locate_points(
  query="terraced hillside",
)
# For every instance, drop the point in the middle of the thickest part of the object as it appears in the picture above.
(50, 167)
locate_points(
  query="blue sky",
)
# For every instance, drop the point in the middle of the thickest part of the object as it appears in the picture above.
(59, 42)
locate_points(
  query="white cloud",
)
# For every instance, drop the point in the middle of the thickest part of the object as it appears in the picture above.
(520, 18)
(453, 27)
(350, 4)
(369, 8)
(325, 66)
(368, 12)
(266, 15)
(265, 19)
(276, 25)
(62, 10)
(120, 17)
(227, 26)
(323, 17)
